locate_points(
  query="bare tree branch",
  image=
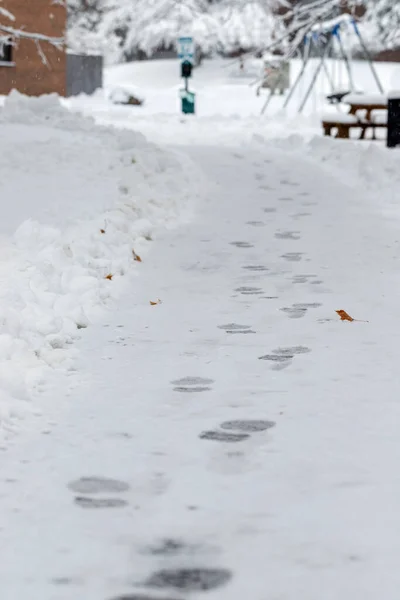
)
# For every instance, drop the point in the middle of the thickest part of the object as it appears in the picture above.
(11, 32)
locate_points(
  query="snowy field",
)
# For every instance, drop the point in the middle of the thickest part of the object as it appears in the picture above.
(226, 102)
(183, 414)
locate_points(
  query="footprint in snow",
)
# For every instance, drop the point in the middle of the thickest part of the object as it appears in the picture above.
(249, 291)
(223, 436)
(234, 328)
(255, 268)
(300, 215)
(192, 384)
(85, 502)
(282, 357)
(193, 389)
(247, 425)
(135, 596)
(306, 305)
(288, 235)
(292, 256)
(302, 278)
(168, 547)
(67, 581)
(88, 487)
(189, 580)
(291, 351)
(294, 313)
(236, 430)
(242, 244)
(288, 182)
(190, 380)
(98, 485)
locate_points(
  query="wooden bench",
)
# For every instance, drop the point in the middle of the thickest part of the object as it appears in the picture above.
(342, 123)
(343, 129)
(361, 116)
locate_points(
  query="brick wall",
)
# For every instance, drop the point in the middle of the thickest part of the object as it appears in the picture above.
(30, 75)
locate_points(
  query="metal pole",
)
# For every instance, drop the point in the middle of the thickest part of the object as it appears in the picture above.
(329, 78)
(369, 58)
(300, 75)
(314, 79)
(347, 62)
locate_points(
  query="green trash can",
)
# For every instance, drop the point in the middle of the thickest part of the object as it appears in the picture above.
(188, 102)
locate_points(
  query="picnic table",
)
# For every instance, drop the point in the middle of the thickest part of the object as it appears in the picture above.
(365, 112)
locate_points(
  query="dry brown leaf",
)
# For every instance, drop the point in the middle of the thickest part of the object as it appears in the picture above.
(344, 316)
(109, 277)
(136, 256)
(155, 303)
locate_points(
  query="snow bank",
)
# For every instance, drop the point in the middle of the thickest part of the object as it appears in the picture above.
(83, 197)
(369, 166)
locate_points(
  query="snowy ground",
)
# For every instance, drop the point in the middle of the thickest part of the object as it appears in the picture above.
(237, 437)
(227, 106)
(80, 199)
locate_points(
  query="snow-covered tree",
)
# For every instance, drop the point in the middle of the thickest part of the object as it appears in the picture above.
(84, 20)
(247, 24)
(378, 21)
(128, 27)
(305, 15)
(382, 23)
(124, 29)
(132, 26)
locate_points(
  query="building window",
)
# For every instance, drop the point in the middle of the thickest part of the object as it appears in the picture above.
(6, 54)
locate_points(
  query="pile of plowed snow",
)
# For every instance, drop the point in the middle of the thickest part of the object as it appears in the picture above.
(77, 200)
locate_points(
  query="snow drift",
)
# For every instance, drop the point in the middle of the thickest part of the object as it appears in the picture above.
(82, 198)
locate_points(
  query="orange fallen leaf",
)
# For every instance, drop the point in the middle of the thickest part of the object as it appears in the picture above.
(136, 256)
(344, 316)
(155, 303)
(109, 277)
(102, 230)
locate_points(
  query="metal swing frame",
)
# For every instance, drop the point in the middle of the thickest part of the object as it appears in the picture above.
(310, 40)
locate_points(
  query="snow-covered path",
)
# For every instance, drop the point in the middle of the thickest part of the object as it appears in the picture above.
(298, 498)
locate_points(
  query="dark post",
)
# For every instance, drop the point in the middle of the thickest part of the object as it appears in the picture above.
(393, 125)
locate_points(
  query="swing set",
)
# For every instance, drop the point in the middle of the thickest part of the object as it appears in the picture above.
(324, 40)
